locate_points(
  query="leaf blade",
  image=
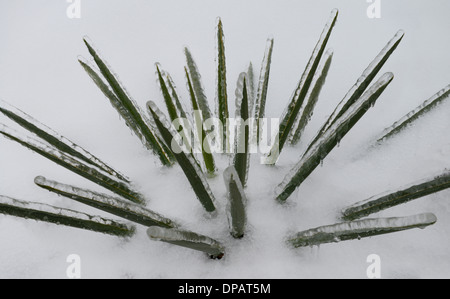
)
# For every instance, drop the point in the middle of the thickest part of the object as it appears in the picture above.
(187, 162)
(60, 216)
(312, 158)
(359, 229)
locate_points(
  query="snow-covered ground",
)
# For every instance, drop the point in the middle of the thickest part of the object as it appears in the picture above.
(40, 74)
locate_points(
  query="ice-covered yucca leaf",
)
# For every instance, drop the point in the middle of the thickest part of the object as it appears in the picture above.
(77, 166)
(359, 229)
(361, 84)
(311, 159)
(59, 216)
(186, 160)
(174, 107)
(241, 148)
(208, 158)
(116, 206)
(416, 113)
(237, 217)
(251, 88)
(170, 96)
(263, 84)
(221, 88)
(114, 100)
(187, 239)
(125, 105)
(55, 139)
(307, 108)
(298, 97)
(197, 85)
(390, 199)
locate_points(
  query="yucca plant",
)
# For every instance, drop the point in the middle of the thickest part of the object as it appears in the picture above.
(174, 144)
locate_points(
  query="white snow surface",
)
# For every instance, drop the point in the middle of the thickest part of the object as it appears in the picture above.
(40, 74)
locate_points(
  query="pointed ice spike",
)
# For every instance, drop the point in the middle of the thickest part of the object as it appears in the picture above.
(426, 106)
(187, 239)
(133, 112)
(237, 200)
(170, 103)
(174, 108)
(298, 97)
(311, 159)
(60, 142)
(114, 100)
(197, 85)
(208, 158)
(186, 160)
(251, 88)
(241, 159)
(263, 83)
(59, 216)
(158, 147)
(390, 199)
(361, 84)
(89, 172)
(116, 206)
(221, 92)
(359, 229)
(306, 110)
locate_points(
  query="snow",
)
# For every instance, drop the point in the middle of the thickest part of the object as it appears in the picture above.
(41, 76)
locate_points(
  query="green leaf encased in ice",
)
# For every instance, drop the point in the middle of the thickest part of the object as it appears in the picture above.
(186, 160)
(187, 239)
(359, 229)
(59, 216)
(116, 206)
(390, 199)
(133, 112)
(311, 159)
